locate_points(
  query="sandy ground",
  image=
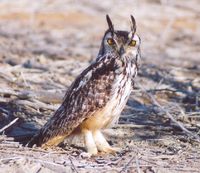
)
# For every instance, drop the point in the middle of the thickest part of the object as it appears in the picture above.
(45, 44)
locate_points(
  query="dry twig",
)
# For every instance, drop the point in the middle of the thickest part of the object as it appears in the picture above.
(170, 115)
(127, 165)
(137, 164)
(73, 166)
(10, 124)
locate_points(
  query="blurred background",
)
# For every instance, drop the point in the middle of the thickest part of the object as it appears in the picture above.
(169, 29)
(45, 44)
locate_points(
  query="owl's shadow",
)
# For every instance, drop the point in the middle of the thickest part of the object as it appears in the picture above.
(26, 123)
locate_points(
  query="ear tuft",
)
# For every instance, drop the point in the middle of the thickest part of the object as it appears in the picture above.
(110, 25)
(133, 24)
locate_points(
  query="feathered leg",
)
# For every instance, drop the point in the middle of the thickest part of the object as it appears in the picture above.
(89, 142)
(102, 144)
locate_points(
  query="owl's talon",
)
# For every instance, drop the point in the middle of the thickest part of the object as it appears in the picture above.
(111, 150)
(116, 149)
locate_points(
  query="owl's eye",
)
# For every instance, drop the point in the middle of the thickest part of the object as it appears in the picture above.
(132, 43)
(110, 41)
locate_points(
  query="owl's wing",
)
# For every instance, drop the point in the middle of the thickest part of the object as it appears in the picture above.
(87, 94)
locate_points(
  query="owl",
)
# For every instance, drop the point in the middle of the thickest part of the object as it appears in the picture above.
(98, 95)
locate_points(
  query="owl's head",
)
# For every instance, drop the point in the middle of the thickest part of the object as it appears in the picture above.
(120, 42)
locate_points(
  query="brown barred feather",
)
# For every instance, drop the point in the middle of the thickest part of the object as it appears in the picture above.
(87, 94)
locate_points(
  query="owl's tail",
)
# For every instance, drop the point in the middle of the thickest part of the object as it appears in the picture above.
(46, 139)
(36, 140)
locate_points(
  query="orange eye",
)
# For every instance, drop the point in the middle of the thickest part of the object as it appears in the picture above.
(132, 43)
(110, 41)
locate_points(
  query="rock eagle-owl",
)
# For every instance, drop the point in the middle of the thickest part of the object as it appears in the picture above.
(98, 95)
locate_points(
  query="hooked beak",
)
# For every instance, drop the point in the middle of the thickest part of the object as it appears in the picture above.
(121, 50)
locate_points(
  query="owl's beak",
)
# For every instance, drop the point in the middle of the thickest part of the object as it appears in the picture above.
(121, 50)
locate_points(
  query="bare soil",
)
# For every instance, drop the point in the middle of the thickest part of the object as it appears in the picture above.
(45, 44)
